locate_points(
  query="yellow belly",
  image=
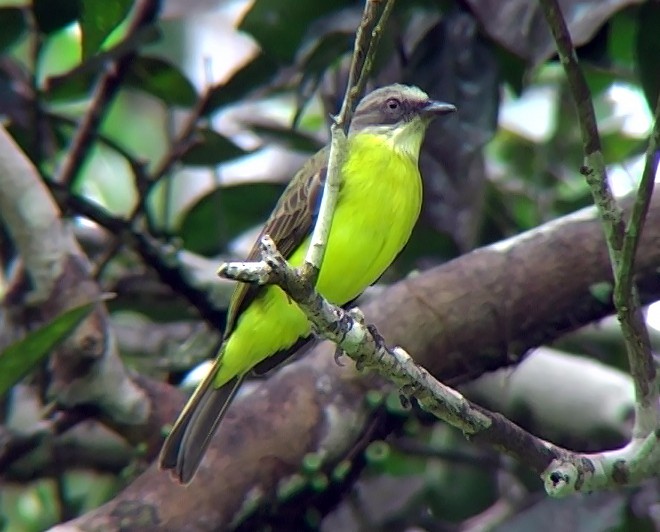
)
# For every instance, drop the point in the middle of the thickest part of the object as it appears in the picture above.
(377, 208)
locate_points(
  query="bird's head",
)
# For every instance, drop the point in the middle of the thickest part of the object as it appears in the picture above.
(399, 113)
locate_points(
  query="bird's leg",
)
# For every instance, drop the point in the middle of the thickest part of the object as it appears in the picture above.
(378, 338)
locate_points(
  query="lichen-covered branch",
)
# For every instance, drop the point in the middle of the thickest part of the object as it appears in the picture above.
(575, 472)
(562, 471)
(366, 43)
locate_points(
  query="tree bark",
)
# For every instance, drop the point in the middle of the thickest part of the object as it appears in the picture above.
(482, 311)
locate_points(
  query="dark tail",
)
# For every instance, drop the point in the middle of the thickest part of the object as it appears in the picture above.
(191, 435)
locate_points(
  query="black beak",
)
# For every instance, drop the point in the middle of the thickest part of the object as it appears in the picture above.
(431, 109)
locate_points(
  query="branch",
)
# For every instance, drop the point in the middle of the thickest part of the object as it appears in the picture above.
(524, 396)
(180, 145)
(562, 471)
(146, 183)
(640, 209)
(366, 43)
(16, 445)
(86, 369)
(138, 166)
(621, 240)
(594, 163)
(626, 298)
(366, 347)
(57, 431)
(164, 260)
(477, 313)
(106, 89)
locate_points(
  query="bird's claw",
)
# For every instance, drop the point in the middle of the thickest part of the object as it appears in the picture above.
(378, 338)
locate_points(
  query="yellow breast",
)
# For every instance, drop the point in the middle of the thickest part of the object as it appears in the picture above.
(378, 205)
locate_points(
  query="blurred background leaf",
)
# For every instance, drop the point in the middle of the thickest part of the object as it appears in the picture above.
(210, 148)
(215, 219)
(53, 16)
(161, 79)
(648, 43)
(18, 359)
(280, 25)
(12, 26)
(98, 20)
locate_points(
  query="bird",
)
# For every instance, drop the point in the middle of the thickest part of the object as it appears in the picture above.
(379, 201)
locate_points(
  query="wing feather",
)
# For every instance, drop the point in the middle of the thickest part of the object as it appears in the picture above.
(291, 221)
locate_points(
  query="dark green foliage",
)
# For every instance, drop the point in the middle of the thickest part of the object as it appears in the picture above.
(254, 74)
(161, 79)
(18, 359)
(12, 26)
(210, 148)
(484, 181)
(52, 16)
(287, 137)
(280, 25)
(648, 44)
(226, 212)
(98, 20)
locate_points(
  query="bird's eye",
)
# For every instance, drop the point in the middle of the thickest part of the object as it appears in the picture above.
(393, 104)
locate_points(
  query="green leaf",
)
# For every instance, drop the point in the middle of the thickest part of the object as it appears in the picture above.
(602, 291)
(254, 74)
(211, 149)
(226, 212)
(280, 25)
(325, 52)
(161, 79)
(287, 137)
(12, 26)
(621, 42)
(618, 147)
(648, 44)
(512, 68)
(77, 83)
(98, 20)
(385, 459)
(20, 358)
(52, 16)
(74, 85)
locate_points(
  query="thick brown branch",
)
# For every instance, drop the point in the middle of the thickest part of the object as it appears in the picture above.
(474, 314)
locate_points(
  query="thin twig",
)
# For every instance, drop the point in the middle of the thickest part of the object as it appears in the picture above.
(179, 147)
(594, 163)
(138, 166)
(366, 43)
(106, 89)
(164, 261)
(376, 34)
(626, 299)
(146, 183)
(36, 43)
(641, 206)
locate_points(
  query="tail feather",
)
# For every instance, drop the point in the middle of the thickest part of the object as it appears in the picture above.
(191, 435)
